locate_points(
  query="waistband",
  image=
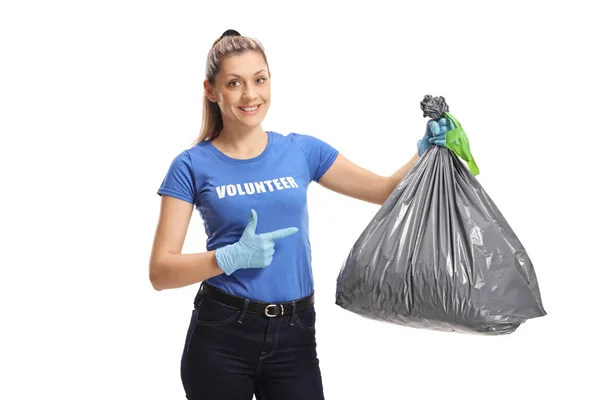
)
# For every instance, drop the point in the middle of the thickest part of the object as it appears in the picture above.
(270, 310)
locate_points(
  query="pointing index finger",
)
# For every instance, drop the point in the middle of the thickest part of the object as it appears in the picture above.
(279, 234)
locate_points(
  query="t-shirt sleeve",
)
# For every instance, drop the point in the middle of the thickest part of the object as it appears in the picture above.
(179, 181)
(319, 154)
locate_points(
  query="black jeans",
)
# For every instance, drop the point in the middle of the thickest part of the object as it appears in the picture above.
(232, 355)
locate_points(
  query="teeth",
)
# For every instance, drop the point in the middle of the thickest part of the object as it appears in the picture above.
(249, 109)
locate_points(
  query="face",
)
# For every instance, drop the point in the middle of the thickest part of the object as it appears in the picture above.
(242, 89)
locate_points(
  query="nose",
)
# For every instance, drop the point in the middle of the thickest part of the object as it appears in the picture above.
(249, 92)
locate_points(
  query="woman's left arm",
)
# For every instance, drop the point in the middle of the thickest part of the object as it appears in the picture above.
(349, 179)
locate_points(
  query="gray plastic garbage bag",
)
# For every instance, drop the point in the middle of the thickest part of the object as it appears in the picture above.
(440, 255)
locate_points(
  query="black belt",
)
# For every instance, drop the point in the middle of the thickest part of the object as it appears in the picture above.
(257, 307)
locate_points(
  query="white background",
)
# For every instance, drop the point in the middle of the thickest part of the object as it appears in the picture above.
(96, 98)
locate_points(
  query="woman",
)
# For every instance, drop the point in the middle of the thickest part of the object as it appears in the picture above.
(252, 329)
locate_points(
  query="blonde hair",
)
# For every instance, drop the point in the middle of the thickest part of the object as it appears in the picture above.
(231, 42)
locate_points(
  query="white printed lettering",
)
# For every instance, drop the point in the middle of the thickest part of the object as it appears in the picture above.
(250, 188)
(292, 181)
(260, 187)
(277, 184)
(221, 191)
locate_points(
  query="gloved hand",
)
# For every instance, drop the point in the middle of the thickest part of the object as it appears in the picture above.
(435, 133)
(252, 250)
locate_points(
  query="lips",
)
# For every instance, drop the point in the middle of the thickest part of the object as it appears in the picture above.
(251, 109)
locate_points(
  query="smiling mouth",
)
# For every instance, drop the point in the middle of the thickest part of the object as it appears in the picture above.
(250, 110)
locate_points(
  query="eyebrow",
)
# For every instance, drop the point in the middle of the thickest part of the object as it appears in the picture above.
(256, 73)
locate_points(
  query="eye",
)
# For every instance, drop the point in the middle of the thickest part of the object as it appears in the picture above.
(261, 79)
(233, 83)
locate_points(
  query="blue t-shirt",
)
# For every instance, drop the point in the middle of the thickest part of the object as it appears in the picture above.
(274, 183)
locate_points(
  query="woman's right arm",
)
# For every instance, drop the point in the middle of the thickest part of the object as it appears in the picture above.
(169, 268)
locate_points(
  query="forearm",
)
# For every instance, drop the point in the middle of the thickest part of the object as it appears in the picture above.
(397, 177)
(179, 270)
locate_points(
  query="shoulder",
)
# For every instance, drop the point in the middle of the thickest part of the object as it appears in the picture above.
(181, 159)
(302, 139)
(318, 154)
(193, 156)
(311, 145)
(192, 160)
(296, 137)
(199, 150)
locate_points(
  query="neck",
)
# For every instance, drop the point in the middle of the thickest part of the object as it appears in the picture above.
(242, 140)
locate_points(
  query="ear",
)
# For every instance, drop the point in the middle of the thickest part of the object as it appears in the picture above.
(209, 90)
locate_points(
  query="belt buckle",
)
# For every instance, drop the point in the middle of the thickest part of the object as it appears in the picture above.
(274, 306)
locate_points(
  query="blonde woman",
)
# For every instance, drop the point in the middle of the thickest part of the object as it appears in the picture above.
(252, 329)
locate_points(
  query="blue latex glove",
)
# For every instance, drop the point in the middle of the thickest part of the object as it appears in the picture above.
(435, 133)
(252, 250)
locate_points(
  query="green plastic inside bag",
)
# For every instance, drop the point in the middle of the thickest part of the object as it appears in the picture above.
(457, 141)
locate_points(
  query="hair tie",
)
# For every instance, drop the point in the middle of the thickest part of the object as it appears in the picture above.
(230, 32)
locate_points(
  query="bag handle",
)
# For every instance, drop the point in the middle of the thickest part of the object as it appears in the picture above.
(457, 141)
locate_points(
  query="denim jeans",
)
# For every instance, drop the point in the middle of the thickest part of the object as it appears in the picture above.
(233, 355)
